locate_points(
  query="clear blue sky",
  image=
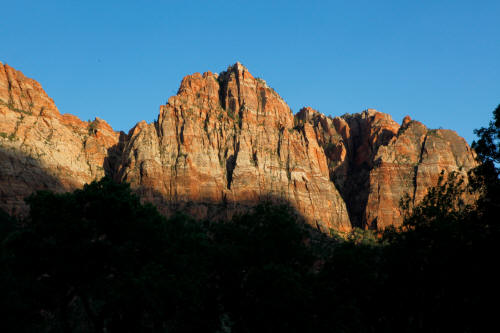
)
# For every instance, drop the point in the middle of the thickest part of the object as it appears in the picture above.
(438, 61)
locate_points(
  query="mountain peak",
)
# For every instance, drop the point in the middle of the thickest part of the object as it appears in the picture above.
(238, 66)
(220, 146)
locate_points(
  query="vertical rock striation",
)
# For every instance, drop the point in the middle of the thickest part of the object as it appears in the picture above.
(411, 163)
(222, 144)
(226, 142)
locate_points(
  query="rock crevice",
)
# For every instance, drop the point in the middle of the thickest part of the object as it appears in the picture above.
(222, 144)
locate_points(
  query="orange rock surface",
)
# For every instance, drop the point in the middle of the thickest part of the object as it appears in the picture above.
(42, 149)
(224, 143)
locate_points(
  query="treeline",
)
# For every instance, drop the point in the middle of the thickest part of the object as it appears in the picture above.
(97, 260)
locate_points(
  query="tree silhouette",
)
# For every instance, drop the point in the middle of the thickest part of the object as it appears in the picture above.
(98, 260)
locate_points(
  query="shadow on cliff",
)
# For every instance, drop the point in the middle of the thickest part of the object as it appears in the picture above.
(113, 159)
(353, 187)
(352, 178)
(213, 210)
(20, 176)
(225, 210)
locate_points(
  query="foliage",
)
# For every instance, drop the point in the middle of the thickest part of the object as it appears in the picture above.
(262, 267)
(92, 127)
(97, 260)
(230, 113)
(10, 104)
(488, 145)
(485, 178)
(447, 201)
(445, 251)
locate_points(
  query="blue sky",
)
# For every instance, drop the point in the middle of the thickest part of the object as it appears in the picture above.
(437, 61)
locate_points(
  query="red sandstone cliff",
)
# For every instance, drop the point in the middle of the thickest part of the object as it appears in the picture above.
(374, 161)
(42, 149)
(222, 144)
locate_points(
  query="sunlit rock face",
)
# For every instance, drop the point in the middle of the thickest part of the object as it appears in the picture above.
(374, 161)
(224, 143)
(411, 163)
(41, 149)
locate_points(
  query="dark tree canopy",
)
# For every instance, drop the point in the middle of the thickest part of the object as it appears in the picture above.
(487, 146)
(98, 260)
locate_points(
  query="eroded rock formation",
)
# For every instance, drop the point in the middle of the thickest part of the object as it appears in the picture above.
(42, 149)
(223, 143)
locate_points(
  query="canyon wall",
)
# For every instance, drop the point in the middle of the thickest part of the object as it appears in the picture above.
(224, 143)
(41, 149)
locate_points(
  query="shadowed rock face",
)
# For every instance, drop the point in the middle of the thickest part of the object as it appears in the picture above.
(230, 140)
(226, 142)
(35, 140)
(374, 161)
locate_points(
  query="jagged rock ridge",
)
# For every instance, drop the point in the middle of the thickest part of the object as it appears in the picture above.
(222, 144)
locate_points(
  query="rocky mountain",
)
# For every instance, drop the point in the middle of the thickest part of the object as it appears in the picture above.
(224, 143)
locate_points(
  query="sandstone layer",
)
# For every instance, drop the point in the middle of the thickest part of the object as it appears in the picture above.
(41, 149)
(224, 143)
